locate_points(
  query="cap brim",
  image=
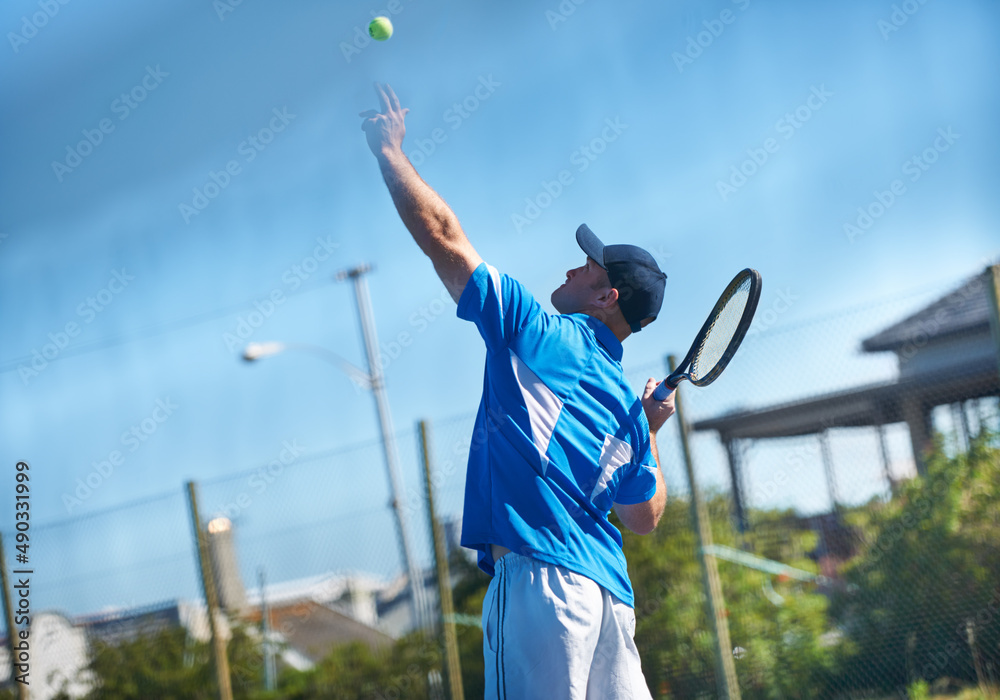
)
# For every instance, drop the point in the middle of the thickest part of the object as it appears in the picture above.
(591, 244)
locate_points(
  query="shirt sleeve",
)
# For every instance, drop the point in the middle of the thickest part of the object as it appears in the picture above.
(498, 304)
(638, 483)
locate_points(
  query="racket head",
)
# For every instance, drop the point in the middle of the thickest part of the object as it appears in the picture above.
(723, 331)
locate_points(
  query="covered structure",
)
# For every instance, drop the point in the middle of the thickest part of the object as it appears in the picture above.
(948, 353)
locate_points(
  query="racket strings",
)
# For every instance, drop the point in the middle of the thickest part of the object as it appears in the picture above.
(721, 330)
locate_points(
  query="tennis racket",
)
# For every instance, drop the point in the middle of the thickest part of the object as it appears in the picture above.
(720, 337)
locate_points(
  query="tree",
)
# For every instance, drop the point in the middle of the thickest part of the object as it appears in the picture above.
(928, 576)
(780, 648)
(167, 665)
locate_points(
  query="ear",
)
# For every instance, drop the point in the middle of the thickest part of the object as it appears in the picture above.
(608, 298)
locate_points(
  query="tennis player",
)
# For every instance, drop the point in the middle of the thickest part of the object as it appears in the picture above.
(565, 439)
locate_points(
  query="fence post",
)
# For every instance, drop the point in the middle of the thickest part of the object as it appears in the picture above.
(452, 664)
(8, 611)
(993, 294)
(211, 599)
(725, 668)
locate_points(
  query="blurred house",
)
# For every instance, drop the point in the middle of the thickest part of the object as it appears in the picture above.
(947, 354)
(307, 619)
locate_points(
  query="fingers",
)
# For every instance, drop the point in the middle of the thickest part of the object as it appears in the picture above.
(393, 100)
(650, 386)
(383, 98)
(368, 113)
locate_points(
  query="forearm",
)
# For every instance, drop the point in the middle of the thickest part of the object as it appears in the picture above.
(659, 500)
(427, 217)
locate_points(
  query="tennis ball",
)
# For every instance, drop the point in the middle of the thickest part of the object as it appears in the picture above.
(380, 29)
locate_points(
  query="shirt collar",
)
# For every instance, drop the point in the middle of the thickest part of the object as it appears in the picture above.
(605, 337)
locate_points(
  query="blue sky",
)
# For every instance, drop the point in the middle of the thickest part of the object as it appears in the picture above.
(648, 110)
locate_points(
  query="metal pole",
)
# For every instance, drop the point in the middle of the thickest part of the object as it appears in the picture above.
(388, 436)
(725, 668)
(265, 633)
(884, 452)
(211, 599)
(992, 275)
(831, 480)
(12, 631)
(453, 666)
(736, 475)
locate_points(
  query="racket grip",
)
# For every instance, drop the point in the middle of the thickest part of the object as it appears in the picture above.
(663, 389)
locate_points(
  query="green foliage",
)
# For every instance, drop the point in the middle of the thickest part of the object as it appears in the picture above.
(167, 665)
(781, 653)
(930, 566)
(919, 691)
(468, 597)
(354, 672)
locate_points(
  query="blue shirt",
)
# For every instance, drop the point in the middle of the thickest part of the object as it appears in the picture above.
(560, 436)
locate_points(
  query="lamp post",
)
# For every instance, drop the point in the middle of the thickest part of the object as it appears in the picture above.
(372, 379)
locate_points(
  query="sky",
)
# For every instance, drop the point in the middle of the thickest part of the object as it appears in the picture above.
(181, 178)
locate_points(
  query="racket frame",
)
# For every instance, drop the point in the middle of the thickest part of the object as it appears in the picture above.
(682, 372)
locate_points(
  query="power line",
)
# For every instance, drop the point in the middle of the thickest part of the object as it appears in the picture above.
(149, 331)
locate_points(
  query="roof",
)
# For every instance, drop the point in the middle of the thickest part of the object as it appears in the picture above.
(963, 310)
(860, 406)
(314, 629)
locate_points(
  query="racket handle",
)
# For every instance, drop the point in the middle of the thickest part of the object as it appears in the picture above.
(664, 388)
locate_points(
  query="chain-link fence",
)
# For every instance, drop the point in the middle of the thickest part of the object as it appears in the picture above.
(850, 470)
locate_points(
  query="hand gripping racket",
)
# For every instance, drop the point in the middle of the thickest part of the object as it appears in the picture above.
(720, 337)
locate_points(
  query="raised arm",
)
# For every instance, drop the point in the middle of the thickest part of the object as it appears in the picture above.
(429, 220)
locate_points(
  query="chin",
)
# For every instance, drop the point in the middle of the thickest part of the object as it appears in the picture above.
(556, 300)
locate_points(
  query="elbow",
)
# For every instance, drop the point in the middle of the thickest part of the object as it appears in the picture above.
(650, 525)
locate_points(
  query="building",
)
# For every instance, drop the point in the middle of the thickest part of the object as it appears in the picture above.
(947, 354)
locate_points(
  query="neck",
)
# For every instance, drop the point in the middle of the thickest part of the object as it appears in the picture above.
(615, 323)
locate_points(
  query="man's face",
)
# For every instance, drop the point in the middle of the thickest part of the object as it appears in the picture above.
(583, 286)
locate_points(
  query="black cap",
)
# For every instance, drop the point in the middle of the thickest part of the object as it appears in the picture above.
(632, 271)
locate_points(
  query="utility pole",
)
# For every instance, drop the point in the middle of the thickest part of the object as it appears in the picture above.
(450, 638)
(725, 668)
(265, 633)
(388, 434)
(211, 598)
(12, 629)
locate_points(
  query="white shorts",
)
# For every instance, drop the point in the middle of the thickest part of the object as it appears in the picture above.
(550, 633)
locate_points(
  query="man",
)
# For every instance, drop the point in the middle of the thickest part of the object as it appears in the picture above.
(565, 440)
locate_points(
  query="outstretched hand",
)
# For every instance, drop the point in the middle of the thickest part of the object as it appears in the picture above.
(657, 412)
(384, 130)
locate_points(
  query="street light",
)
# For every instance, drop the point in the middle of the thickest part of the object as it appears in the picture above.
(258, 351)
(372, 379)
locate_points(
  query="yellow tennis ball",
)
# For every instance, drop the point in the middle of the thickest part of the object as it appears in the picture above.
(380, 29)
